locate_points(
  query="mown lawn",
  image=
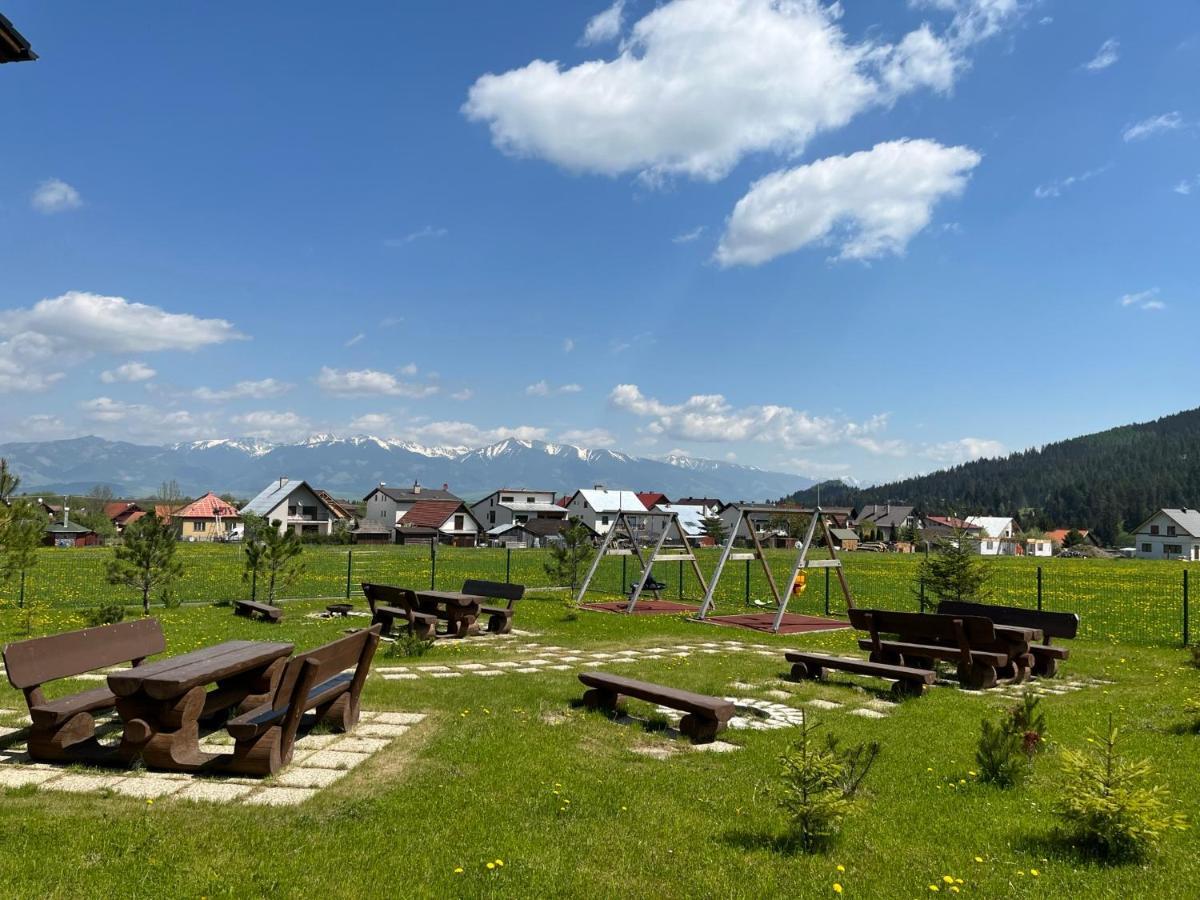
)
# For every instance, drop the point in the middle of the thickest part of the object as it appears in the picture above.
(477, 782)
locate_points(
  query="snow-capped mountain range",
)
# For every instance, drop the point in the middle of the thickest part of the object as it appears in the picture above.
(350, 466)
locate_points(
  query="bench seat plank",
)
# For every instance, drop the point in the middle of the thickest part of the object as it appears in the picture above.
(937, 651)
(705, 715)
(908, 680)
(55, 712)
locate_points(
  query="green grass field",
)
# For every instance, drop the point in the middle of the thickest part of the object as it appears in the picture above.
(1125, 600)
(488, 775)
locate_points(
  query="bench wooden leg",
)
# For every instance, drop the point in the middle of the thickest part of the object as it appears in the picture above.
(976, 676)
(599, 698)
(803, 670)
(907, 688)
(426, 631)
(341, 713)
(701, 729)
(1045, 666)
(257, 756)
(499, 623)
(65, 741)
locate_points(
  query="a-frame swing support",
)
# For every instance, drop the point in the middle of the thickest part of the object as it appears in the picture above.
(802, 561)
(621, 524)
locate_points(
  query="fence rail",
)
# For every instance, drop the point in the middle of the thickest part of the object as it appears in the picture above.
(1139, 601)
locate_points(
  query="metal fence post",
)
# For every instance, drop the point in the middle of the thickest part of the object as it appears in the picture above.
(624, 562)
(349, 571)
(1186, 636)
(21, 602)
(1039, 588)
(433, 564)
(826, 592)
(922, 592)
(254, 585)
(508, 565)
(747, 582)
(681, 579)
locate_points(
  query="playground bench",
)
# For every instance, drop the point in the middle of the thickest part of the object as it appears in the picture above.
(328, 679)
(969, 641)
(389, 603)
(705, 716)
(1046, 658)
(499, 617)
(65, 728)
(908, 681)
(251, 608)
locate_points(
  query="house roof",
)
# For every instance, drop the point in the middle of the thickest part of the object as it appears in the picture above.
(992, 526)
(13, 46)
(370, 526)
(534, 508)
(844, 534)
(1060, 534)
(408, 495)
(950, 522)
(651, 499)
(69, 528)
(699, 501)
(432, 513)
(164, 512)
(611, 501)
(275, 493)
(691, 518)
(118, 507)
(207, 507)
(886, 516)
(1187, 519)
(335, 507)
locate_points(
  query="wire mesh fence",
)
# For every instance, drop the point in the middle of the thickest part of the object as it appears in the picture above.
(1141, 601)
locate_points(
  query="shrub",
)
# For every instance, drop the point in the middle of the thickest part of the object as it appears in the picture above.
(1001, 755)
(1027, 720)
(1106, 807)
(108, 614)
(820, 785)
(1196, 655)
(408, 644)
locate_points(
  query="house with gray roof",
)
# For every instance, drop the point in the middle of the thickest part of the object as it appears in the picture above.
(388, 503)
(516, 505)
(296, 506)
(885, 520)
(1169, 534)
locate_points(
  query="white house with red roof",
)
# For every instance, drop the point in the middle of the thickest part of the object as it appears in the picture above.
(207, 519)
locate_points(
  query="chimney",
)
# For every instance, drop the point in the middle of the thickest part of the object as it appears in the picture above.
(598, 487)
(282, 480)
(445, 486)
(416, 488)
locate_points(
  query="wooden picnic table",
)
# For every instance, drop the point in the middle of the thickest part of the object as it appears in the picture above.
(161, 703)
(1015, 642)
(458, 609)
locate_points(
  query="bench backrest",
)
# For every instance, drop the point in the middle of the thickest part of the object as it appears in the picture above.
(1052, 624)
(37, 661)
(388, 595)
(923, 626)
(495, 589)
(353, 651)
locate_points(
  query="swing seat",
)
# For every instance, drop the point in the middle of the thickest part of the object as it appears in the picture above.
(650, 585)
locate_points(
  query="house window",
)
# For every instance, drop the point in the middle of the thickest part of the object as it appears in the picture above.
(604, 520)
(1154, 529)
(292, 511)
(458, 523)
(1146, 548)
(531, 500)
(199, 526)
(492, 517)
(1170, 531)
(1173, 549)
(506, 499)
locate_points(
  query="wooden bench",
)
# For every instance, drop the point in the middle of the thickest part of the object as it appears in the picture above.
(929, 637)
(251, 608)
(65, 728)
(1046, 658)
(328, 680)
(705, 716)
(908, 681)
(389, 603)
(499, 617)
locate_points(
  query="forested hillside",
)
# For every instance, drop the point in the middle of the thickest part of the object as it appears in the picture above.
(1106, 481)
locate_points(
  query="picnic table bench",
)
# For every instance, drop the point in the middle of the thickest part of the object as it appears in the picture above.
(458, 609)
(65, 728)
(328, 679)
(499, 617)
(705, 716)
(388, 603)
(908, 681)
(252, 608)
(1046, 658)
(921, 638)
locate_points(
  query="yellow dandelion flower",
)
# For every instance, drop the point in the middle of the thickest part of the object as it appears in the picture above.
(500, 862)
(1034, 872)
(979, 859)
(949, 879)
(458, 870)
(837, 888)
(491, 865)
(954, 888)
(934, 888)
(841, 868)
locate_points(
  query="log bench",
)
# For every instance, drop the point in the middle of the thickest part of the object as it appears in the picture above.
(705, 716)
(388, 603)
(328, 679)
(1046, 658)
(65, 728)
(499, 617)
(252, 608)
(925, 637)
(908, 681)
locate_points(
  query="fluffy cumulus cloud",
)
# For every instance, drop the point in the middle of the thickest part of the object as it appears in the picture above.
(588, 437)
(964, 450)
(1144, 300)
(699, 84)
(55, 196)
(128, 373)
(605, 25)
(272, 424)
(37, 343)
(1108, 54)
(1154, 125)
(543, 388)
(373, 423)
(710, 418)
(114, 418)
(244, 390)
(866, 204)
(366, 382)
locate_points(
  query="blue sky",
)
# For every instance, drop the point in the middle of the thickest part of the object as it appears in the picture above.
(866, 240)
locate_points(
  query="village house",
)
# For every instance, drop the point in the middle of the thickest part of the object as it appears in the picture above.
(1038, 546)
(68, 534)
(533, 533)
(445, 521)
(1059, 536)
(883, 522)
(708, 506)
(767, 522)
(295, 506)
(935, 528)
(598, 508)
(387, 504)
(691, 520)
(122, 513)
(516, 505)
(844, 538)
(997, 535)
(1169, 534)
(207, 519)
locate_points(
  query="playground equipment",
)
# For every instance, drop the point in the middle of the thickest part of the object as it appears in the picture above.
(646, 581)
(798, 581)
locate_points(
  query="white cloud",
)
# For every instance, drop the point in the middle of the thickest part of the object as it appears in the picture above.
(369, 381)
(688, 236)
(52, 335)
(354, 340)
(699, 84)
(128, 373)
(568, 345)
(372, 423)
(1147, 300)
(410, 369)
(423, 233)
(545, 389)
(243, 390)
(464, 434)
(272, 424)
(55, 196)
(1152, 126)
(868, 204)
(464, 394)
(964, 450)
(588, 437)
(1056, 188)
(1105, 56)
(1187, 185)
(604, 26)
(140, 421)
(710, 418)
